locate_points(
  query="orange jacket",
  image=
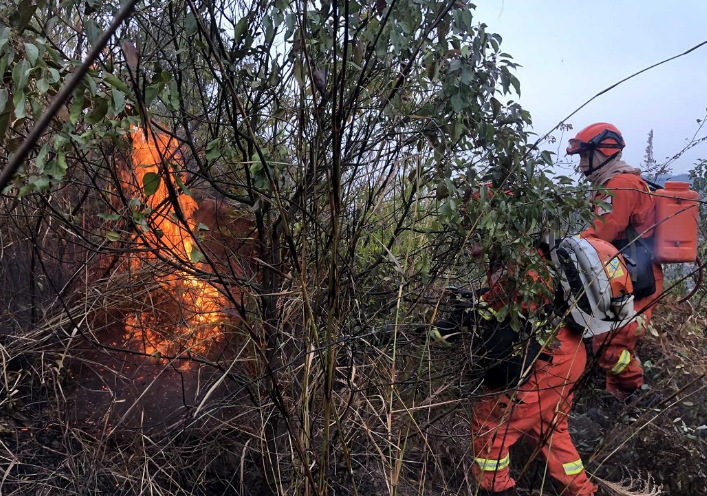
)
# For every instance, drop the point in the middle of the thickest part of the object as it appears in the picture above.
(631, 203)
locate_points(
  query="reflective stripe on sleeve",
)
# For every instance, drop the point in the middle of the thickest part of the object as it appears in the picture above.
(623, 362)
(486, 312)
(491, 465)
(573, 468)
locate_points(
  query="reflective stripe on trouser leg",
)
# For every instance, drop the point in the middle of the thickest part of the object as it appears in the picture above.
(622, 363)
(491, 465)
(573, 468)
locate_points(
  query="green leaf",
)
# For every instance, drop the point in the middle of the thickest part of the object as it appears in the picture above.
(202, 227)
(112, 236)
(496, 107)
(457, 102)
(212, 150)
(3, 99)
(76, 107)
(43, 86)
(98, 112)
(26, 11)
(40, 183)
(150, 183)
(56, 168)
(162, 77)
(196, 256)
(61, 166)
(19, 101)
(90, 84)
(25, 190)
(190, 25)
(274, 78)
(181, 185)
(173, 95)
(32, 53)
(118, 100)
(516, 84)
(458, 130)
(529, 171)
(42, 157)
(54, 75)
(447, 209)
(92, 31)
(151, 92)
(109, 216)
(4, 60)
(19, 75)
(240, 30)
(117, 83)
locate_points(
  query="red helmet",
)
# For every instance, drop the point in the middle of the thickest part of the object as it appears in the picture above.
(600, 136)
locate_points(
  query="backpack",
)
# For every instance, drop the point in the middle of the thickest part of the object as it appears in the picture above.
(674, 238)
(596, 285)
(677, 222)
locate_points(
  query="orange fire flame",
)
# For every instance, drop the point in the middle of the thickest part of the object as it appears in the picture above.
(190, 320)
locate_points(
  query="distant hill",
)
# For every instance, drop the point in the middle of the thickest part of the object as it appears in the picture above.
(678, 177)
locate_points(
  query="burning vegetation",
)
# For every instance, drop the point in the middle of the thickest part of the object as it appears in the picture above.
(194, 318)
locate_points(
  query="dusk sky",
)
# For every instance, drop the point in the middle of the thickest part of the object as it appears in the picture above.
(572, 50)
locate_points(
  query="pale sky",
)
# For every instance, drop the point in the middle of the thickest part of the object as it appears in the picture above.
(572, 50)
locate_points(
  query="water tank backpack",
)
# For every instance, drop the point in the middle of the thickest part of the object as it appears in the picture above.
(596, 285)
(672, 240)
(676, 217)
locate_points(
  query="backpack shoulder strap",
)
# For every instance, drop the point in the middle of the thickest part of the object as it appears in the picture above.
(632, 235)
(653, 187)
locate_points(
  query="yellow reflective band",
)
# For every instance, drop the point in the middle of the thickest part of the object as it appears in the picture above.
(491, 465)
(486, 311)
(623, 362)
(573, 468)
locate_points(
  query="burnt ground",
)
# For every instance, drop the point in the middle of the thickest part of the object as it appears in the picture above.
(152, 362)
(109, 387)
(56, 431)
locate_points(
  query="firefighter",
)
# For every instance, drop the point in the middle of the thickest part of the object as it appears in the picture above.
(538, 409)
(625, 216)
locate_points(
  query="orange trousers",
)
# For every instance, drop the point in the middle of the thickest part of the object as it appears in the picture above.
(537, 410)
(618, 359)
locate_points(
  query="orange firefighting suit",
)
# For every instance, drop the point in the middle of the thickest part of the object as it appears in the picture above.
(538, 410)
(631, 204)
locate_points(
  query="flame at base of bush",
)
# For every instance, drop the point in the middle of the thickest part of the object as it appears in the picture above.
(186, 317)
